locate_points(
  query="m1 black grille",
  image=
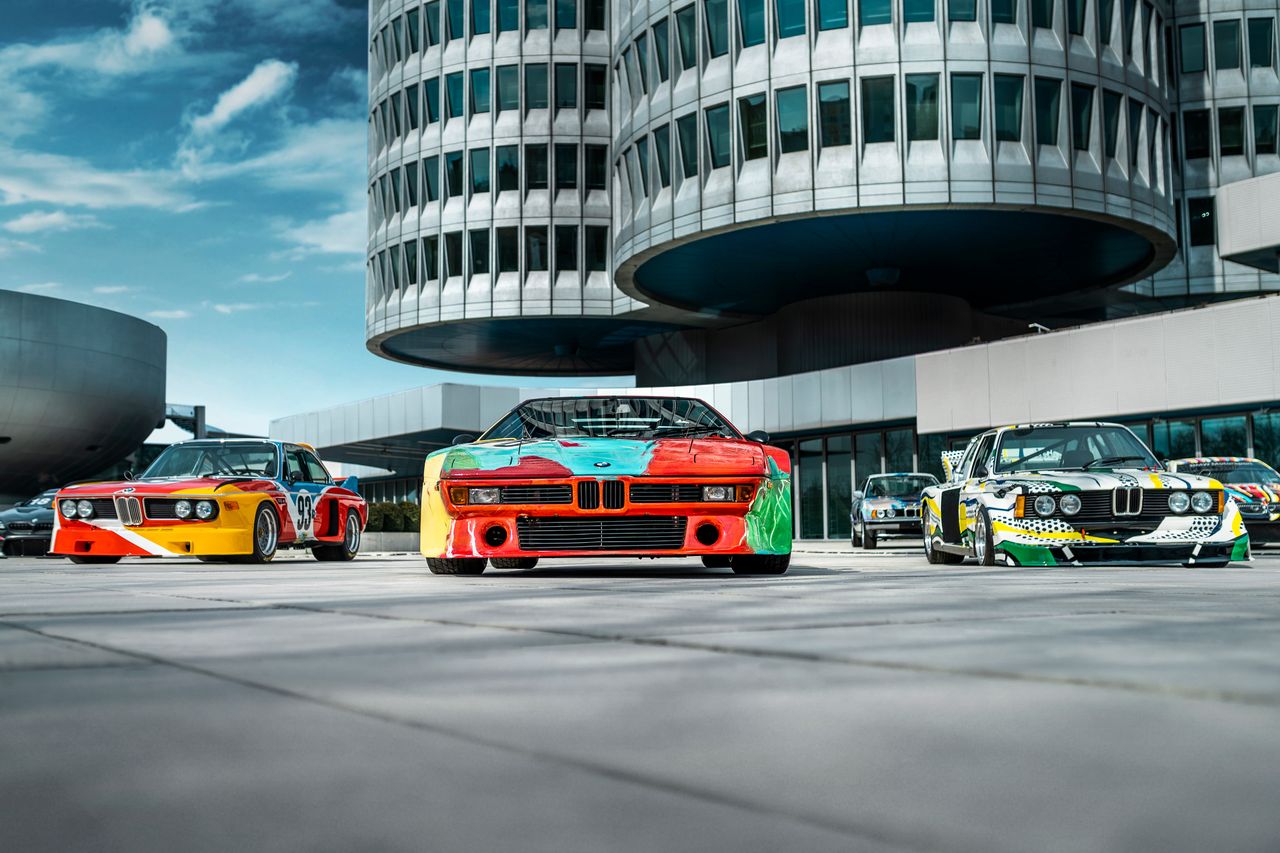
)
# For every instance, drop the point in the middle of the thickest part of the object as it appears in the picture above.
(614, 494)
(588, 494)
(656, 493)
(103, 507)
(561, 494)
(634, 533)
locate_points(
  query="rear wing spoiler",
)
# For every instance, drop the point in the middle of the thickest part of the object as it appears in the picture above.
(950, 463)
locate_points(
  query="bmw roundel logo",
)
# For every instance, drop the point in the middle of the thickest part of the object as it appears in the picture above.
(602, 464)
(127, 491)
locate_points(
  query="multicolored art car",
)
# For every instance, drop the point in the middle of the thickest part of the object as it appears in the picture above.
(608, 476)
(889, 504)
(1075, 493)
(1252, 483)
(234, 500)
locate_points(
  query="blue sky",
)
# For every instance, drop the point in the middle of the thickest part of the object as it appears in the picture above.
(200, 164)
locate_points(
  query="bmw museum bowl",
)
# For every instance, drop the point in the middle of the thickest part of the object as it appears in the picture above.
(236, 500)
(608, 477)
(1075, 493)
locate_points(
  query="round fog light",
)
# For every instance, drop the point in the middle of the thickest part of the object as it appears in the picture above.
(84, 509)
(68, 509)
(1045, 505)
(182, 509)
(1179, 502)
(1202, 501)
(205, 510)
(707, 534)
(1070, 504)
(495, 536)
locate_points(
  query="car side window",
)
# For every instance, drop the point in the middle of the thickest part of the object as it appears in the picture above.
(294, 467)
(982, 455)
(316, 472)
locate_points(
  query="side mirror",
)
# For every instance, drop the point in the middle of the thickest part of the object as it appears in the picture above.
(294, 477)
(981, 471)
(758, 435)
(129, 475)
(857, 496)
(462, 438)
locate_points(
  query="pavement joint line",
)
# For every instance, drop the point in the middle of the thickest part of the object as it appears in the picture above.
(642, 779)
(139, 612)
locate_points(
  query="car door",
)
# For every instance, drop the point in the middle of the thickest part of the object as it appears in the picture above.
(303, 492)
(954, 492)
(974, 483)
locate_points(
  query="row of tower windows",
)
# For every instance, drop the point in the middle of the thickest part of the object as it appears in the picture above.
(1228, 47)
(485, 90)
(424, 27)
(922, 101)
(1198, 135)
(556, 249)
(465, 174)
(647, 61)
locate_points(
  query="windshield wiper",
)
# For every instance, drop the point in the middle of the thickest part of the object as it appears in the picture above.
(1111, 460)
(694, 430)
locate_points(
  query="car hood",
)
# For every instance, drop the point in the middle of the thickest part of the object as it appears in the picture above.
(1106, 478)
(604, 457)
(27, 513)
(1252, 492)
(153, 488)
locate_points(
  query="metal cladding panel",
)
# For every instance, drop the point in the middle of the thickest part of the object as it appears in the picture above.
(1239, 378)
(1192, 367)
(1249, 217)
(899, 388)
(837, 397)
(1012, 367)
(1140, 354)
(807, 403)
(953, 390)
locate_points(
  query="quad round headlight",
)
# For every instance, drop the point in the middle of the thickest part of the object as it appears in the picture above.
(1179, 502)
(1202, 501)
(68, 509)
(84, 509)
(182, 509)
(890, 512)
(205, 510)
(1070, 504)
(1045, 505)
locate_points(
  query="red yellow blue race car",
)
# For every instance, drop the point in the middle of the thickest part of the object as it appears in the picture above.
(608, 477)
(233, 500)
(1251, 483)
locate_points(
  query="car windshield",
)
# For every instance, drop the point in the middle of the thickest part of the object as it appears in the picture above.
(215, 459)
(1233, 472)
(899, 486)
(620, 417)
(1071, 447)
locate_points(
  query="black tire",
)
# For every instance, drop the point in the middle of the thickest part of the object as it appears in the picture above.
(266, 535)
(214, 559)
(94, 560)
(514, 562)
(986, 555)
(345, 550)
(869, 540)
(760, 564)
(459, 566)
(855, 537)
(715, 561)
(1207, 564)
(934, 556)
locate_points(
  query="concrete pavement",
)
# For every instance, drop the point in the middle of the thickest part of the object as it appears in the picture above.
(864, 702)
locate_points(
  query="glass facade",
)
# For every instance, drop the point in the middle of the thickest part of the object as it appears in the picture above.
(922, 106)
(877, 109)
(1048, 92)
(966, 106)
(833, 14)
(793, 120)
(834, 116)
(751, 22)
(1008, 99)
(753, 122)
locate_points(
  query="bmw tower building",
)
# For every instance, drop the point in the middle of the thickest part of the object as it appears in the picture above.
(836, 220)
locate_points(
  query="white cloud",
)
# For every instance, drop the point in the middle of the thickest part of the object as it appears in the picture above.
(268, 81)
(8, 247)
(108, 51)
(170, 315)
(256, 278)
(54, 220)
(40, 287)
(234, 308)
(342, 233)
(35, 177)
(110, 289)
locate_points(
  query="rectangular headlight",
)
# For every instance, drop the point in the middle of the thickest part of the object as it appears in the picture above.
(487, 495)
(717, 493)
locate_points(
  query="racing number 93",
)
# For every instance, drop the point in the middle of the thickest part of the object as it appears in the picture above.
(306, 506)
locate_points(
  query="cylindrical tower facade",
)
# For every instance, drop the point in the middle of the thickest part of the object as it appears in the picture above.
(771, 151)
(489, 197)
(1223, 58)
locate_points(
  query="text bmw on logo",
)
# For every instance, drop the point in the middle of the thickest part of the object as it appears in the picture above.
(602, 464)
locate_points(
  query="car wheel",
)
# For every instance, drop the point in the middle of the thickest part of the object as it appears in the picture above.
(713, 561)
(266, 534)
(94, 560)
(514, 562)
(983, 546)
(856, 538)
(869, 540)
(458, 566)
(1207, 564)
(760, 564)
(348, 548)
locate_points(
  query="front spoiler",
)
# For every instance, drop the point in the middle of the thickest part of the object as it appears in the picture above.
(1137, 554)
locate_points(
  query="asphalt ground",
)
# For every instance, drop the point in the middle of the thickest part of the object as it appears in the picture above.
(865, 701)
